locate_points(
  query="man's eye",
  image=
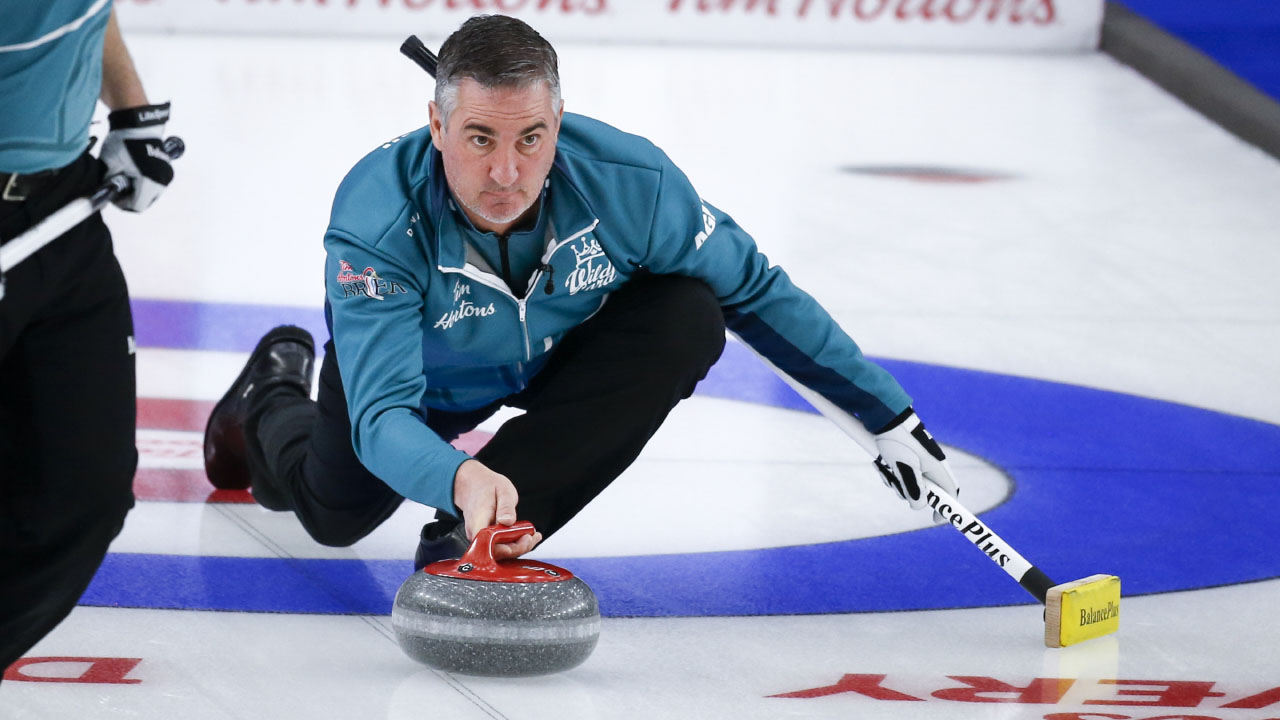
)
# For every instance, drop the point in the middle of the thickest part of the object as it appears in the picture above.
(529, 140)
(480, 141)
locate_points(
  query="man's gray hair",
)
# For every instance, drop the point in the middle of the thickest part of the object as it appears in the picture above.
(497, 52)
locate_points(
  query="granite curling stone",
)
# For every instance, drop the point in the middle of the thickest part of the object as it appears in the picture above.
(508, 618)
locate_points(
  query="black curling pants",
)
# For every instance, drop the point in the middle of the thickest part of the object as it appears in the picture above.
(588, 414)
(67, 413)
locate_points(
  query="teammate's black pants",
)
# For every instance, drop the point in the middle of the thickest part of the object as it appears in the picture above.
(587, 415)
(67, 413)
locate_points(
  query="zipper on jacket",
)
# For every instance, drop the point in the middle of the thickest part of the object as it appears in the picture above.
(528, 350)
(503, 284)
(479, 277)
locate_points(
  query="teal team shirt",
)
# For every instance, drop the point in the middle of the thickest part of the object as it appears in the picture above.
(422, 321)
(50, 80)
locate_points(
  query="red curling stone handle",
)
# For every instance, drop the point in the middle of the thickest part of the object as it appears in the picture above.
(478, 562)
(480, 555)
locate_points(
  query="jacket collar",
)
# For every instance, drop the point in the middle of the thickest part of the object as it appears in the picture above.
(570, 215)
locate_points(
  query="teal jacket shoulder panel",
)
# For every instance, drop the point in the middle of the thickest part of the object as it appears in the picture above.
(376, 192)
(615, 177)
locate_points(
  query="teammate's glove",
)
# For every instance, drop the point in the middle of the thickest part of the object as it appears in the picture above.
(133, 149)
(908, 451)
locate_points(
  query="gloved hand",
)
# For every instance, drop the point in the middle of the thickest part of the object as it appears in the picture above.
(908, 451)
(133, 147)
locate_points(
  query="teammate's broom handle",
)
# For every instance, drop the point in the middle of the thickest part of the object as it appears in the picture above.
(413, 49)
(70, 215)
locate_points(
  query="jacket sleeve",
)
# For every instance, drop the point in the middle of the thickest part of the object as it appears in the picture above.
(379, 347)
(763, 308)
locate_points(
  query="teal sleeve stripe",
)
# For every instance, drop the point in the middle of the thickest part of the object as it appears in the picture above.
(875, 407)
(58, 32)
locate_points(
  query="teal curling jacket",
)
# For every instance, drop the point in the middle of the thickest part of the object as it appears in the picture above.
(50, 79)
(421, 323)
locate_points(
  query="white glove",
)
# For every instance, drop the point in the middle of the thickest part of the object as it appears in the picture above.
(134, 148)
(908, 451)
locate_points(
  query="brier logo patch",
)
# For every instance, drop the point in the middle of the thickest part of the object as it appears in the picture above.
(366, 284)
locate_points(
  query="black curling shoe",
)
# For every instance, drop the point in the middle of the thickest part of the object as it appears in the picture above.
(284, 357)
(441, 540)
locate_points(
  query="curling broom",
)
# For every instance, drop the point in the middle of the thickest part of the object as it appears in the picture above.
(1074, 612)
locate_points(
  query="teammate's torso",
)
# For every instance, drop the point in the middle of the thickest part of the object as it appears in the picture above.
(50, 79)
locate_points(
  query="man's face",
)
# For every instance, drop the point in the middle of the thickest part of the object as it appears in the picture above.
(498, 148)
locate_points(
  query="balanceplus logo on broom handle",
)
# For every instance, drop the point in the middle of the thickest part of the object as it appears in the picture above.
(1000, 552)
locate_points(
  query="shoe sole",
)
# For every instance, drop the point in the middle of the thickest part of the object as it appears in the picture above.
(284, 332)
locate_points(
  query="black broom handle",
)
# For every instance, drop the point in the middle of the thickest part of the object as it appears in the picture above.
(413, 49)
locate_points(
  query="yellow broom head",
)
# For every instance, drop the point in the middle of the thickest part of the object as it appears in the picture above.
(1082, 610)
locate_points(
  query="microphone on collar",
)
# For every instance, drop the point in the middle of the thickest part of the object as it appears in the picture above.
(551, 275)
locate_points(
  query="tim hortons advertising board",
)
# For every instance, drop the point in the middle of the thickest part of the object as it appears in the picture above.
(1014, 25)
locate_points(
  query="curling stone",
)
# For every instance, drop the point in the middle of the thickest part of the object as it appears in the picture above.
(508, 618)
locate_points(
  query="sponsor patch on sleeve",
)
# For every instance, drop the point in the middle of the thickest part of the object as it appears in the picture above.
(365, 284)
